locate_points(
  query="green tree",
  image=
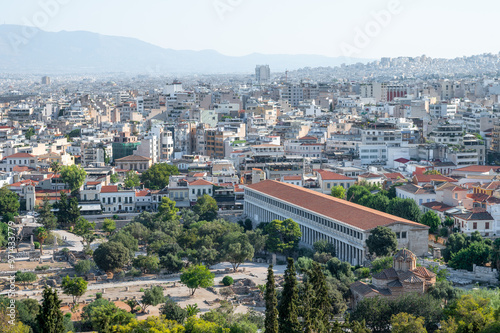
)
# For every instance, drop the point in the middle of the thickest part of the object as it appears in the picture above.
(75, 287)
(154, 324)
(73, 213)
(197, 276)
(288, 306)
(152, 297)
(127, 240)
(431, 220)
(25, 277)
(257, 239)
(476, 253)
(455, 243)
(404, 208)
(356, 193)
(323, 246)
(192, 309)
(236, 248)
(109, 225)
(406, 323)
(50, 319)
(271, 322)
(137, 231)
(132, 179)
(29, 133)
(101, 315)
(9, 202)
(55, 167)
(338, 192)
(376, 311)
(167, 210)
(378, 201)
(41, 234)
(85, 229)
(111, 256)
(47, 217)
(113, 178)
(379, 264)
(382, 241)
(443, 290)
(74, 176)
(206, 208)
(157, 177)
(147, 264)
(83, 267)
(471, 314)
(283, 236)
(172, 311)
(321, 308)
(171, 262)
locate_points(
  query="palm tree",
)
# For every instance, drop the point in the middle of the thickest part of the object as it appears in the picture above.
(42, 234)
(56, 167)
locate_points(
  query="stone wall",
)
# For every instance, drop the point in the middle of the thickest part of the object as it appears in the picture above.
(462, 276)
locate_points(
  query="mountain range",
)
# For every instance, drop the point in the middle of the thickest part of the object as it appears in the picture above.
(31, 50)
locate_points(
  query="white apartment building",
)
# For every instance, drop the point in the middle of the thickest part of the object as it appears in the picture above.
(114, 200)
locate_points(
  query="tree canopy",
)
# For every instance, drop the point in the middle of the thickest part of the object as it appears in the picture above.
(197, 276)
(206, 208)
(111, 256)
(283, 236)
(157, 177)
(382, 241)
(73, 175)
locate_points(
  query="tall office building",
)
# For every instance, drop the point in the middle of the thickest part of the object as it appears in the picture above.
(262, 73)
(45, 80)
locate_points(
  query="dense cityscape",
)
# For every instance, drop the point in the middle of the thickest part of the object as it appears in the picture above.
(299, 194)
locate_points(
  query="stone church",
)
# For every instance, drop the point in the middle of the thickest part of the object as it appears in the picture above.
(403, 277)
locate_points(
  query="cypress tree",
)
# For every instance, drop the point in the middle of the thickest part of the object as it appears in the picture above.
(306, 308)
(321, 308)
(271, 321)
(50, 319)
(288, 317)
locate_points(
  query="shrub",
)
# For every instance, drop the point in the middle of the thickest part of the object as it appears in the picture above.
(443, 232)
(37, 245)
(134, 272)
(98, 295)
(227, 280)
(42, 268)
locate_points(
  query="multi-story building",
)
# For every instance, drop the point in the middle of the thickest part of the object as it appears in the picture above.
(262, 74)
(322, 217)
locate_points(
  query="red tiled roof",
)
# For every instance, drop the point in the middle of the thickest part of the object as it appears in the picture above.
(292, 177)
(200, 182)
(420, 178)
(370, 175)
(438, 206)
(20, 155)
(477, 168)
(93, 183)
(109, 189)
(328, 175)
(338, 209)
(18, 168)
(394, 175)
(200, 174)
(402, 160)
(141, 193)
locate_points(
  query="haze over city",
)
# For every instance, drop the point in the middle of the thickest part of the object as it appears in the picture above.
(249, 166)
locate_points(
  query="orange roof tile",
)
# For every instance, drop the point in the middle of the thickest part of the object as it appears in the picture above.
(109, 189)
(326, 205)
(328, 175)
(200, 182)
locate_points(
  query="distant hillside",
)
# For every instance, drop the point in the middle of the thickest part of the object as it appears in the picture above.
(86, 52)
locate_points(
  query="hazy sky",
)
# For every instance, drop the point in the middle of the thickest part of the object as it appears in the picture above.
(437, 28)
